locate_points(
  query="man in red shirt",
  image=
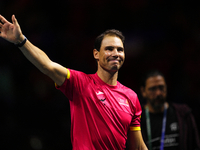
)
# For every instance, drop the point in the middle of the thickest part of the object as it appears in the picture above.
(104, 113)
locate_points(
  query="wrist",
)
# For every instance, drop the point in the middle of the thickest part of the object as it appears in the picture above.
(21, 41)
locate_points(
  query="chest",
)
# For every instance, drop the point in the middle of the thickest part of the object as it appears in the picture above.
(171, 138)
(157, 123)
(110, 103)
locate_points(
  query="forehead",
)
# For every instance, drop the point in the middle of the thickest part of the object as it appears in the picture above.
(110, 40)
(155, 81)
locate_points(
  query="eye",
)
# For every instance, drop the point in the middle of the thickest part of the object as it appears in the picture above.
(110, 48)
(161, 87)
(155, 88)
(121, 49)
(152, 89)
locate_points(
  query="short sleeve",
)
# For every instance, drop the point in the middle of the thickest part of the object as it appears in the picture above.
(136, 119)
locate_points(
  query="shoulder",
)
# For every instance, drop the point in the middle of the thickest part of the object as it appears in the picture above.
(181, 108)
(79, 78)
(127, 90)
(130, 94)
(75, 74)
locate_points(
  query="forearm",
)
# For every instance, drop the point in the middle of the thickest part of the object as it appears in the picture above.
(36, 56)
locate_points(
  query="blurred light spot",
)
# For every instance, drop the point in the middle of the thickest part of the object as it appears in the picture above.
(36, 143)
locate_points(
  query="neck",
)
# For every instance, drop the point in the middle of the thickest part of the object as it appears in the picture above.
(152, 110)
(108, 77)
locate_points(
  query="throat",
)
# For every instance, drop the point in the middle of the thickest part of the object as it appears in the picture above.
(157, 110)
(107, 77)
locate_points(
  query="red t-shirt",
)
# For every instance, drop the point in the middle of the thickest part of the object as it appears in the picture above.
(101, 114)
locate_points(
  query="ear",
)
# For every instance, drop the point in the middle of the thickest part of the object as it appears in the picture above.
(142, 90)
(96, 54)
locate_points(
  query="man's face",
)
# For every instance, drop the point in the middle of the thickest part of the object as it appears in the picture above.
(155, 92)
(111, 54)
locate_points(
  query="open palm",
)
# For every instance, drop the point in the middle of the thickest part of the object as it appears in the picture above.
(10, 31)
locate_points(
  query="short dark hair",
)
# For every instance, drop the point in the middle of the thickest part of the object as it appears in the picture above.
(112, 32)
(151, 73)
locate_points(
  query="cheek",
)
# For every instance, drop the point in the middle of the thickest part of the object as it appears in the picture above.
(106, 55)
(122, 56)
(165, 94)
(103, 57)
(150, 95)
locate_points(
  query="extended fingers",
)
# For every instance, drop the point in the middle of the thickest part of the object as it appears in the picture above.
(14, 20)
(1, 26)
(2, 19)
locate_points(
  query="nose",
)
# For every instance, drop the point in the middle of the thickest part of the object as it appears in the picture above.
(158, 91)
(115, 52)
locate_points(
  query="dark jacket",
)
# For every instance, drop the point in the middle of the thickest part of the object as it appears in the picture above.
(189, 135)
(188, 132)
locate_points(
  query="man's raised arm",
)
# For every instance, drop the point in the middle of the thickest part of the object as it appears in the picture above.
(12, 33)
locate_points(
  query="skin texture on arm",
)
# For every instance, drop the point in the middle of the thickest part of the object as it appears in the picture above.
(12, 33)
(37, 57)
(135, 141)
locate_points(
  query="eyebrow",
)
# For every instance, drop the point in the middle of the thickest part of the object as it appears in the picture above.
(111, 47)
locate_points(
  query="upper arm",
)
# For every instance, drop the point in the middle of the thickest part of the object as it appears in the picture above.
(57, 73)
(135, 141)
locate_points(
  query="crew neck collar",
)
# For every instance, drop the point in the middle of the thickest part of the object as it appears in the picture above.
(104, 83)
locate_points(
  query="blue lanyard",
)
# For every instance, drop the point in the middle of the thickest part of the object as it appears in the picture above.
(149, 127)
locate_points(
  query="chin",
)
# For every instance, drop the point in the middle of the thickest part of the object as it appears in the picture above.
(114, 69)
(158, 106)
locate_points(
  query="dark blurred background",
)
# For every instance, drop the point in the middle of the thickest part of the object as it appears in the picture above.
(159, 34)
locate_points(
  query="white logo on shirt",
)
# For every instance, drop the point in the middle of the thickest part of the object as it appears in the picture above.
(101, 97)
(123, 102)
(98, 93)
(174, 126)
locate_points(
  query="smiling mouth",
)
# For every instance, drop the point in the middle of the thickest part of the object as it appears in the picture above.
(114, 61)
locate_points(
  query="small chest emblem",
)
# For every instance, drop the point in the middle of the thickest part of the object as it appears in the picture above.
(174, 126)
(101, 96)
(123, 102)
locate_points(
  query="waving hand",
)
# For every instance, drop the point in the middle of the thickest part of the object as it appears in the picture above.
(10, 31)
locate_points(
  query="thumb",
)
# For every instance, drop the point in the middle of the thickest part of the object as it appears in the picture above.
(14, 20)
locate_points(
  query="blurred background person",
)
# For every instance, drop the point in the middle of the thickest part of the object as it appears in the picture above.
(165, 125)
